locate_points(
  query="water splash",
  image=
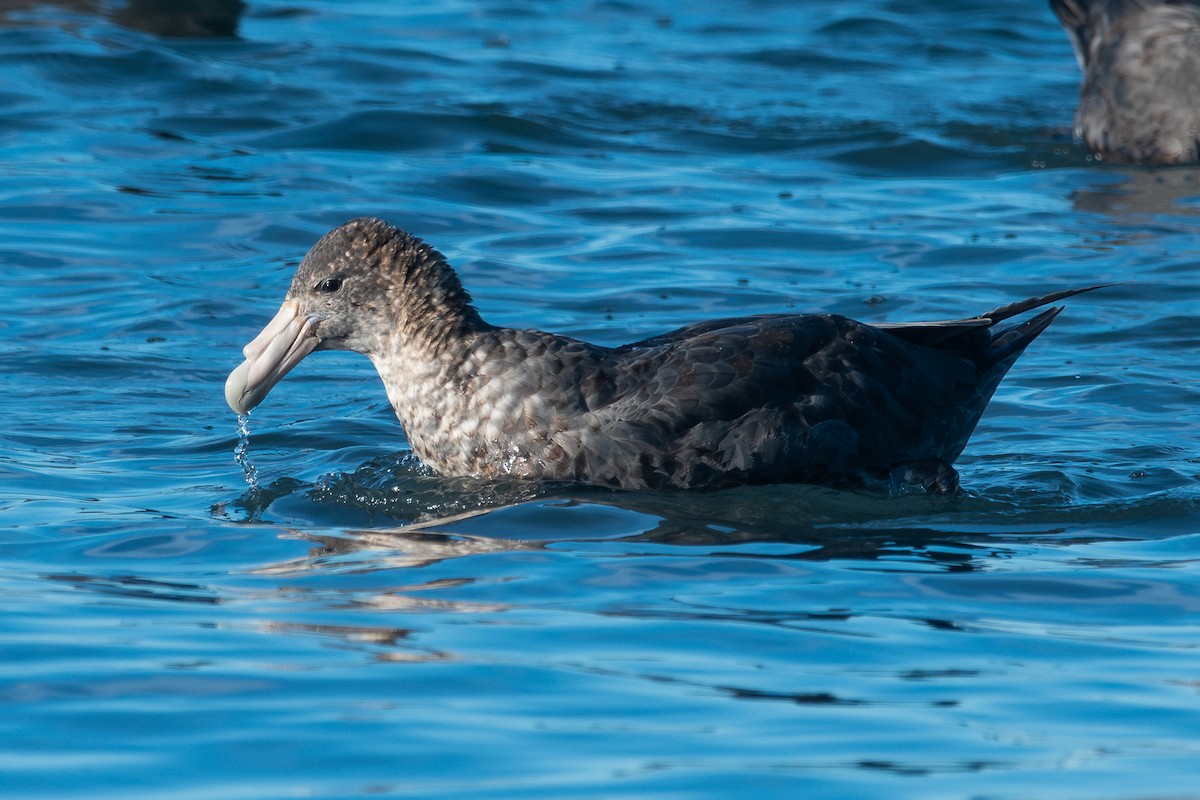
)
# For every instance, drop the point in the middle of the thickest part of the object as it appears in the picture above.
(239, 453)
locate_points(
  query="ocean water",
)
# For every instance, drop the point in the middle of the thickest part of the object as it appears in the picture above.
(610, 169)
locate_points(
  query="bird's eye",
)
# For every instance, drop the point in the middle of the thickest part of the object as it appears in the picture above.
(329, 285)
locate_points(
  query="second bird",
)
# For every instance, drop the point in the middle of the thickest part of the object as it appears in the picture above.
(1140, 98)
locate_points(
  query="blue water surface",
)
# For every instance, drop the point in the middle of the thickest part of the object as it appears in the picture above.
(608, 169)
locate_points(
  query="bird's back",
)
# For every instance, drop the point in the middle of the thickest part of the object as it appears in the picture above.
(813, 398)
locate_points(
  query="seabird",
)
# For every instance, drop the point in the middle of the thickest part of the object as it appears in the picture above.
(776, 398)
(1140, 98)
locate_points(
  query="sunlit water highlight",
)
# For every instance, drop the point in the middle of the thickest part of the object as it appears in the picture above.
(322, 616)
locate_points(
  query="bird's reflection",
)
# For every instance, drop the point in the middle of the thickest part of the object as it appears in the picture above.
(390, 644)
(403, 547)
(789, 523)
(1137, 193)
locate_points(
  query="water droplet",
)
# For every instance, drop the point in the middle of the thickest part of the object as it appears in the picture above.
(239, 452)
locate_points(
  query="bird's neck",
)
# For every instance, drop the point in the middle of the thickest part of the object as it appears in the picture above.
(429, 383)
(435, 310)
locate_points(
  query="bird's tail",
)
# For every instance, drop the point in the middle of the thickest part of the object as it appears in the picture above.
(1020, 307)
(1007, 344)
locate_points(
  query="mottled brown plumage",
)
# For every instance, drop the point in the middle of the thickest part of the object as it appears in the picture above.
(1140, 98)
(766, 399)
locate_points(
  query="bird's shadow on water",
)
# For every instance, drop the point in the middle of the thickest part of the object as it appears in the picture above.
(391, 512)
